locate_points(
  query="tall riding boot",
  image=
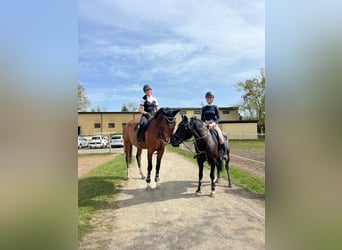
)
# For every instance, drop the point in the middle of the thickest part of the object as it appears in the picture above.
(223, 151)
(138, 135)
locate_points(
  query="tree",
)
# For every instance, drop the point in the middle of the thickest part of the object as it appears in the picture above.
(97, 109)
(129, 107)
(83, 102)
(124, 108)
(253, 99)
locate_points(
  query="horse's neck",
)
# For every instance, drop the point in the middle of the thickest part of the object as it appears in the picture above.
(154, 123)
(202, 135)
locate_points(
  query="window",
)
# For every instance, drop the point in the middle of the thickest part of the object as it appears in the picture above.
(226, 112)
(97, 125)
(111, 125)
(197, 112)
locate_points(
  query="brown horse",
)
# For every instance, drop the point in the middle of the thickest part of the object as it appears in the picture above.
(157, 135)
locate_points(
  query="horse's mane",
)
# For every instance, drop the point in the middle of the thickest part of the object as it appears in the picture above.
(160, 111)
(197, 122)
(165, 111)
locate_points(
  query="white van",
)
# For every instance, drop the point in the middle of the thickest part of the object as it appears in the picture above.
(98, 141)
(116, 141)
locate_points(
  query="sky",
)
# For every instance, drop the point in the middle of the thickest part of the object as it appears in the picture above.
(182, 49)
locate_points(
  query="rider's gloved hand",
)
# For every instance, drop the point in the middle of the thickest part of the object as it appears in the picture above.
(212, 124)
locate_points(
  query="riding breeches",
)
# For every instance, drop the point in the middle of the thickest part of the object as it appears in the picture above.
(219, 133)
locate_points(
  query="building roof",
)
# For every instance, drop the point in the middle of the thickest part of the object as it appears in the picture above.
(134, 112)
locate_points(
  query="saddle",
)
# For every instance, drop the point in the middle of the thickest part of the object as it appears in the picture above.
(214, 134)
(138, 124)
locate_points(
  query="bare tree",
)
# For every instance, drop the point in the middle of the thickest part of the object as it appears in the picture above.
(83, 102)
(129, 107)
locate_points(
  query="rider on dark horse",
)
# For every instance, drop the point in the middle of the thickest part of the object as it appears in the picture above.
(148, 107)
(211, 116)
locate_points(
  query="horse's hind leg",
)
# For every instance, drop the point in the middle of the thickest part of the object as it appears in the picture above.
(228, 172)
(128, 157)
(218, 178)
(138, 157)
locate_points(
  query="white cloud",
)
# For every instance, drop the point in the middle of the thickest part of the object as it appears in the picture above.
(169, 43)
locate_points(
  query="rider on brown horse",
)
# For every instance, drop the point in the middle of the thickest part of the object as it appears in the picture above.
(148, 107)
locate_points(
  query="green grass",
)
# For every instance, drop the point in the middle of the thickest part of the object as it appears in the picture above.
(247, 144)
(240, 178)
(92, 154)
(96, 191)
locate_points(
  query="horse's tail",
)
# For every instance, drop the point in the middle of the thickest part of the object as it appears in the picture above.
(130, 154)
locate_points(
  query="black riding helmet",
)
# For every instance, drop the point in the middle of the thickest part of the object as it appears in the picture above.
(209, 94)
(146, 87)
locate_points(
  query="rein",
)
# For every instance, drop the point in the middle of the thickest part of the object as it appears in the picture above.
(196, 144)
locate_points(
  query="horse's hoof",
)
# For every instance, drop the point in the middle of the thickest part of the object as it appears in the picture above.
(217, 180)
(229, 185)
(198, 192)
(148, 187)
(212, 194)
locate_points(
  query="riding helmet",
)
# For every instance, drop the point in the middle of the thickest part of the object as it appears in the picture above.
(209, 94)
(146, 87)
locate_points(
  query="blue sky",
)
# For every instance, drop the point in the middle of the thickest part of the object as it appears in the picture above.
(181, 48)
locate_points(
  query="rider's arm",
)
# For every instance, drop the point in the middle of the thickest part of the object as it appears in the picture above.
(217, 113)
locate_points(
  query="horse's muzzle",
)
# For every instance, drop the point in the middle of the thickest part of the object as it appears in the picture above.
(174, 142)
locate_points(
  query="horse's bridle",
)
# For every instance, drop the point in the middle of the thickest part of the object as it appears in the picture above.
(170, 121)
(189, 125)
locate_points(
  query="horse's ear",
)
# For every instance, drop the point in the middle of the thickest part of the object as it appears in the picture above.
(176, 111)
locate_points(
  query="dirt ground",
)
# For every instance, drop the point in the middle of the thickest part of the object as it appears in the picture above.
(173, 216)
(87, 163)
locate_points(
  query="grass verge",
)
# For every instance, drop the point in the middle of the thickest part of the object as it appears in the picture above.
(247, 144)
(96, 191)
(240, 178)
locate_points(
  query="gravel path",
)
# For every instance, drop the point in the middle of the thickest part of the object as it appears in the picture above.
(174, 217)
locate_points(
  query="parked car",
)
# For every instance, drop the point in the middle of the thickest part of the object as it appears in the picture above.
(117, 141)
(98, 141)
(82, 142)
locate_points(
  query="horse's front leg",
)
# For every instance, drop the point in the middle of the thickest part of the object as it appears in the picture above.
(138, 157)
(159, 157)
(212, 178)
(200, 176)
(149, 169)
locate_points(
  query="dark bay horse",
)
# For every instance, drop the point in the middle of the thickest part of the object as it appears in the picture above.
(157, 135)
(206, 148)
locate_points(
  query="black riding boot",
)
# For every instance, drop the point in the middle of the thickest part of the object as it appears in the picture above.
(139, 133)
(223, 152)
